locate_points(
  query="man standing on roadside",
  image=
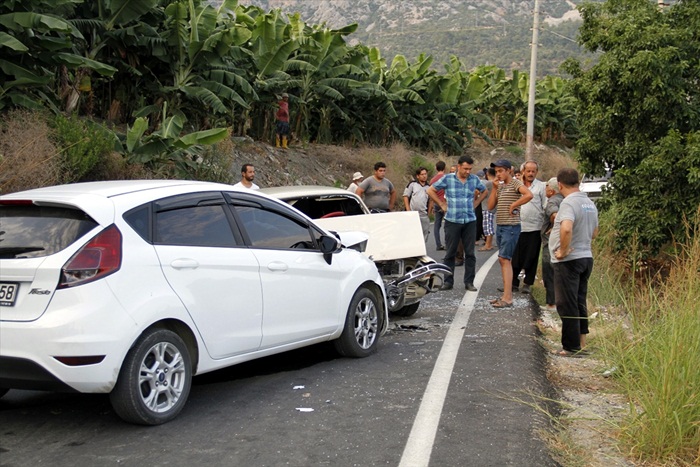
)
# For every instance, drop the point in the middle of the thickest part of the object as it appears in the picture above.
(282, 116)
(554, 199)
(507, 195)
(527, 251)
(377, 190)
(415, 198)
(575, 227)
(356, 180)
(437, 210)
(462, 191)
(247, 177)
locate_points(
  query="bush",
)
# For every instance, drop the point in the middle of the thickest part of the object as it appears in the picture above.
(214, 165)
(28, 157)
(83, 145)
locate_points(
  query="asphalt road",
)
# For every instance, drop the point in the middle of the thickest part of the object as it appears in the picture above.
(452, 385)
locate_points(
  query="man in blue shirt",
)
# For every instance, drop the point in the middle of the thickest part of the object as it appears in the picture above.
(462, 191)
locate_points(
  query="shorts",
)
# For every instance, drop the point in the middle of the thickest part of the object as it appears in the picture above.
(283, 128)
(507, 239)
(488, 223)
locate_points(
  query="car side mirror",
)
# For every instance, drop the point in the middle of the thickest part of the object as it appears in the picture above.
(328, 245)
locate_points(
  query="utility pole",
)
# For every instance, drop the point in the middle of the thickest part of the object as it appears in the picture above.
(530, 135)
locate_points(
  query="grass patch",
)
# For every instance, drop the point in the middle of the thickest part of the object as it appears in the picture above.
(654, 342)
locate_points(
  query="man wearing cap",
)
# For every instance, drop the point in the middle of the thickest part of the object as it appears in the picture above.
(282, 116)
(462, 191)
(527, 251)
(507, 195)
(356, 180)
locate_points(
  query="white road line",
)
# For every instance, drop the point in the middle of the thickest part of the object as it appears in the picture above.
(420, 442)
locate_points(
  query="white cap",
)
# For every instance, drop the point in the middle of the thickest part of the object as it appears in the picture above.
(357, 176)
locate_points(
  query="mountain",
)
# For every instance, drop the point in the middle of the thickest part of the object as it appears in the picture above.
(479, 32)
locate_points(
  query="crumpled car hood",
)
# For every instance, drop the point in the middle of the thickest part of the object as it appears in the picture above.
(392, 235)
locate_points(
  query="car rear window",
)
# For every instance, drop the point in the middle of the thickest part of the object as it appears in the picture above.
(30, 231)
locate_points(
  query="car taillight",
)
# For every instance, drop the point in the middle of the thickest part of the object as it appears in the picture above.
(100, 257)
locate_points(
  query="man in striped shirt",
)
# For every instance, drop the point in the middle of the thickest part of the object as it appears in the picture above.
(507, 195)
(462, 191)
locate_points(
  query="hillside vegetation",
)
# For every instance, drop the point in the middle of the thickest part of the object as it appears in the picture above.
(478, 32)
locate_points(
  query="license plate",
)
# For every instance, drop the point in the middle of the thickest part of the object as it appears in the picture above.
(8, 293)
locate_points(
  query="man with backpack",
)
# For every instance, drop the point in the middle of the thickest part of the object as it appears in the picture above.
(415, 198)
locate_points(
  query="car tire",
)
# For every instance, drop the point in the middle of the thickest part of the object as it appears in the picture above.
(407, 310)
(155, 379)
(3, 391)
(362, 326)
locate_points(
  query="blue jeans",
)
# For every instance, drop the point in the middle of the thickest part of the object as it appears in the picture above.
(507, 239)
(453, 234)
(439, 216)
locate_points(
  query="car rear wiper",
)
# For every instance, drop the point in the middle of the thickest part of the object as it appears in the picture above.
(13, 251)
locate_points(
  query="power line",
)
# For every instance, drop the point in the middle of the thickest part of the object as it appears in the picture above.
(560, 35)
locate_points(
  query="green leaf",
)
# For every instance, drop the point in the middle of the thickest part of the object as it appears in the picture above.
(77, 61)
(172, 126)
(274, 61)
(228, 7)
(206, 97)
(41, 22)
(25, 75)
(134, 134)
(125, 11)
(23, 100)
(10, 42)
(147, 110)
(212, 136)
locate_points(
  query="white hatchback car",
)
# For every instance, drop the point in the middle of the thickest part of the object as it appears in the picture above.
(131, 288)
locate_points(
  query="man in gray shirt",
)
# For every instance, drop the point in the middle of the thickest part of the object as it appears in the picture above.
(415, 198)
(378, 191)
(575, 227)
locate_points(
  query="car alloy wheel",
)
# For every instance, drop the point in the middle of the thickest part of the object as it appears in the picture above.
(361, 332)
(155, 379)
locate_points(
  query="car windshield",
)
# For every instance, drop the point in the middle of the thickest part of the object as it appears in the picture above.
(29, 231)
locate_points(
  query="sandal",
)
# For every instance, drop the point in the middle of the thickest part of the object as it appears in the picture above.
(501, 304)
(483, 248)
(572, 353)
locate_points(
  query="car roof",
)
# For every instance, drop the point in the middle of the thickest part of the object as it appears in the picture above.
(96, 198)
(296, 191)
(110, 188)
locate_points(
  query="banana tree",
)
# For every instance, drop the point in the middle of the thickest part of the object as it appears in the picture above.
(167, 146)
(34, 44)
(202, 77)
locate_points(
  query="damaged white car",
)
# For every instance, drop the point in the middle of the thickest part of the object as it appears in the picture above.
(395, 241)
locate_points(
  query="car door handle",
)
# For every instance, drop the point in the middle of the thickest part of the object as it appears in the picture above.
(277, 266)
(184, 264)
